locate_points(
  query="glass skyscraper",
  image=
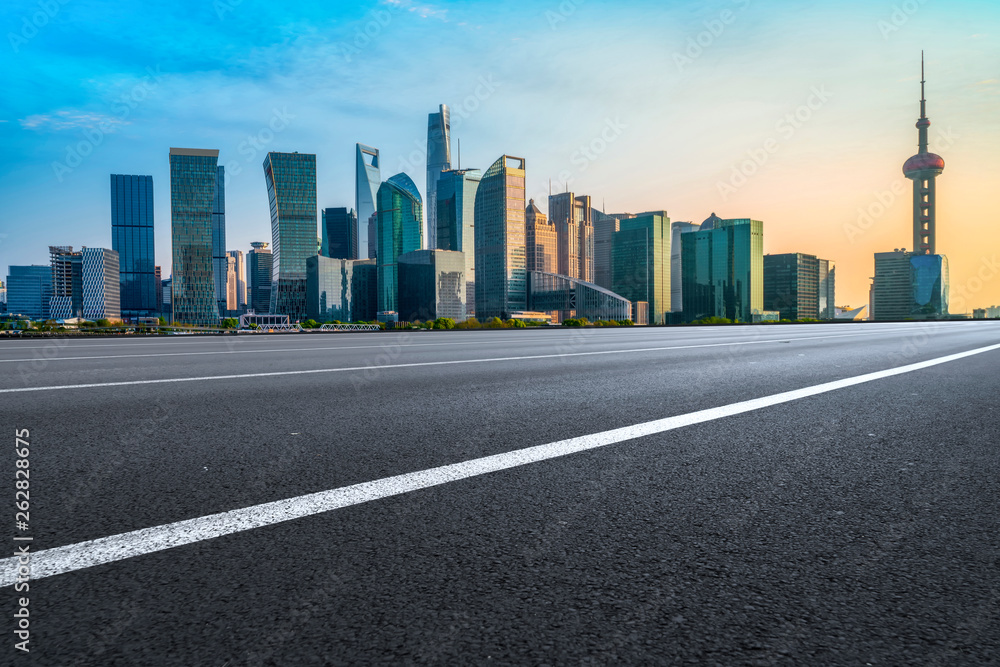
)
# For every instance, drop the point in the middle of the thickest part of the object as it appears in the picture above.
(723, 270)
(930, 279)
(194, 174)
(339, 231)
(791, 285)
(431, 285)
(220, 261)
(438, 160)
(132, 239)
(827, 289)
(291, 192)
(456, 218)
(572, 297)
(676, 261)
(259, 267)
(367, 180)
(604, 227)
(640, 262)
(400, 230)
(501, 271)
(341, 289)
(29, 290)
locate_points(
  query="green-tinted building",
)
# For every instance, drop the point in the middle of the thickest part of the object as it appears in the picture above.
(291, 192)
(501, 259)
(640, 262)
(341, 289)
(456, 218)
(722, 269)
(791, 285)
(431, 284)
(193, 179)
(399, 230)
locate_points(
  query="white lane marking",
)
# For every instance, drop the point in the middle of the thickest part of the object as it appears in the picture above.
(60, 560)
(242, 376)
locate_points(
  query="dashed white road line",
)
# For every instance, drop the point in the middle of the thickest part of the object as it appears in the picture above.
(72, 557)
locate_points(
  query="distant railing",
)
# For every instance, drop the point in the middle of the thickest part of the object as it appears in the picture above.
(350, 327)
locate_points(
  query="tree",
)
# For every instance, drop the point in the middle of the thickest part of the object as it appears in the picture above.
(230, 323)
(444, 323)
(310, 324)
(103, 322)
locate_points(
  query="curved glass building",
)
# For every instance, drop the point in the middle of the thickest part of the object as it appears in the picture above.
(291, 192)
(575, 297)
(399, 230)
(438, 160)
(367, 180)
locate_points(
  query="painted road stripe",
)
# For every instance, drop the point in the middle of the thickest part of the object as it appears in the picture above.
(243, 376)
(72, 557)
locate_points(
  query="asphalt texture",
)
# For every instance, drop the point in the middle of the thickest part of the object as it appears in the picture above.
(855, 527)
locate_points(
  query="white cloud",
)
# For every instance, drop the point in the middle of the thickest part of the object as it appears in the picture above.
(71, 120)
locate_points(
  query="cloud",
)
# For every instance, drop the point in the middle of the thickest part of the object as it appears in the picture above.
(71, 120)
(423, 11)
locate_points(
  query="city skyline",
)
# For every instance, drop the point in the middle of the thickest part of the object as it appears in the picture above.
(832, 185)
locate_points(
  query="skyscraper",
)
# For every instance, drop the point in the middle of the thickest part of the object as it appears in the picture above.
(604, 227)
(339, 230)
(291, 192)
(101, 284)
(259, 269)
(438, 160)
(29, 291)
(220, 263)
(501, 273)
(194, 174)
(791, 285)
(541, 241)
(132, 239)
(640, 263)
(723, 270)
(431, 285)
(67, 283)
(341, 289)
(367, 180)
(827, 289)
(892, 286)
(400, 230)
(574, 225)
(676, 262)
(456, 218)
(236, 283)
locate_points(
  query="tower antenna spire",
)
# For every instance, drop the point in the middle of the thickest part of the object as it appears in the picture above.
(923, 81)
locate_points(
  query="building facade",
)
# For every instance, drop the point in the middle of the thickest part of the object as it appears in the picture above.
(892, 286)
(259, 269)
(549, 292)
(132, 238)
(220, 262)
(573, 220)
(400, 230)
(604, 228)
(501, 273)
(67, 283)
(367, 180)
(29, 291)
(101, 284)
(431, 285)
(827, 289)
(676, 262)
(341, 290)
(194, 176)
(791, 285)
(236, 282)
(640, 262)
(339, 233)
(723, 270)
(456, 222)
(541, 243)
(291, 193)
(438, 160)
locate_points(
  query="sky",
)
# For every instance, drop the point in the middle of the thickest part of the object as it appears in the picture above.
(799, 114)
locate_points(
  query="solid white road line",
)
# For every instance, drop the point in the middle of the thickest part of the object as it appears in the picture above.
(241, 376)
(60, 560)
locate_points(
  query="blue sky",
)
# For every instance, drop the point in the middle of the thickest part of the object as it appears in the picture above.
(644, 105)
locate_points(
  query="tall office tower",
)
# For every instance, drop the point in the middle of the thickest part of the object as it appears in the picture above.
(791, 285)
(574, 224)
(400, 230)
(67, 283)
(345, 290)
(367, 180)
(291, 191)
(604, 227)
(676, 262)
(220, 263)
(339, 230)
(827, 289)
(230, 286)
(438, 160)
(723, 270)
(239, 286)
(501, 262)
(640, 263)
(892, 286)
(541, 241)
(101, 284)
(132, 239)
(159, 288)
(29, 291)
(431, 285)
(193, 177)
(373, 236)
(259, 268)
(456, 220)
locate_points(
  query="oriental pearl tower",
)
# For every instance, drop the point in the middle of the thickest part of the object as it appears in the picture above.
(923, 168)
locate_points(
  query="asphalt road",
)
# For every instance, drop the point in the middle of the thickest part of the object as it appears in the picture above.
(857, 526)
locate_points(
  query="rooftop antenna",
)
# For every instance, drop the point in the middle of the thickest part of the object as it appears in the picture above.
(460, 154)
(923, 100)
